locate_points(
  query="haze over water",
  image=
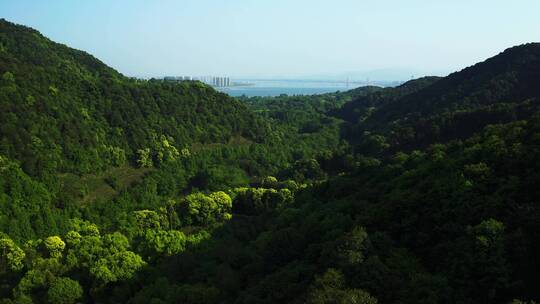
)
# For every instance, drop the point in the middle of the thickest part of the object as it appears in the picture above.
(276, 87)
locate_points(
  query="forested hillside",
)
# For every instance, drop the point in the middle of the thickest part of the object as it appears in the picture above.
(116, 190)
(65, 111)
(501, 89)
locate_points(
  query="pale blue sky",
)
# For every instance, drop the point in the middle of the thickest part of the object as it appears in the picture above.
(282, 37)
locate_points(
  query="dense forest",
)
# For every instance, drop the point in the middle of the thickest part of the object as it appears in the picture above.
(121, 190)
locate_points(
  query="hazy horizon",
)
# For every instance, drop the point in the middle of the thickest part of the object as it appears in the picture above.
(283, 39)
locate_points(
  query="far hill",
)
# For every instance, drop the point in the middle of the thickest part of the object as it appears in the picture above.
(361, 103)
(501, 89)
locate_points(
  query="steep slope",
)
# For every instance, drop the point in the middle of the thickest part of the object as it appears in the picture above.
(65, 111)
(67, 119)
(510, 76)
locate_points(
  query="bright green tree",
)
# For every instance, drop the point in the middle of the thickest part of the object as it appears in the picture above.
(199, 209)
(144, 158)
(223, 201)
(117, 267)
(11, 256)
(55, 246)
(167, 242)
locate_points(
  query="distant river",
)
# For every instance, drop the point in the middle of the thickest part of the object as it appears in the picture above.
(289, 87)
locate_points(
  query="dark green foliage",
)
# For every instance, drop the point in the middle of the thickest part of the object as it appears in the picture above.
(26, 206)
(329, 289)
(64, 291)
(428, 110)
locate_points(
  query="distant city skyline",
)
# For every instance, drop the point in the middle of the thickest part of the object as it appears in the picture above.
(391, 40)
(216, 81)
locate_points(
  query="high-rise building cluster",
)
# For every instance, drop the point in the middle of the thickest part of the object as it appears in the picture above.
(178, 78)
(211, 80)
(221, 81)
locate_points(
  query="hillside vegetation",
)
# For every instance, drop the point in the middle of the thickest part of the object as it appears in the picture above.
(65, 111)
(116, 190)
